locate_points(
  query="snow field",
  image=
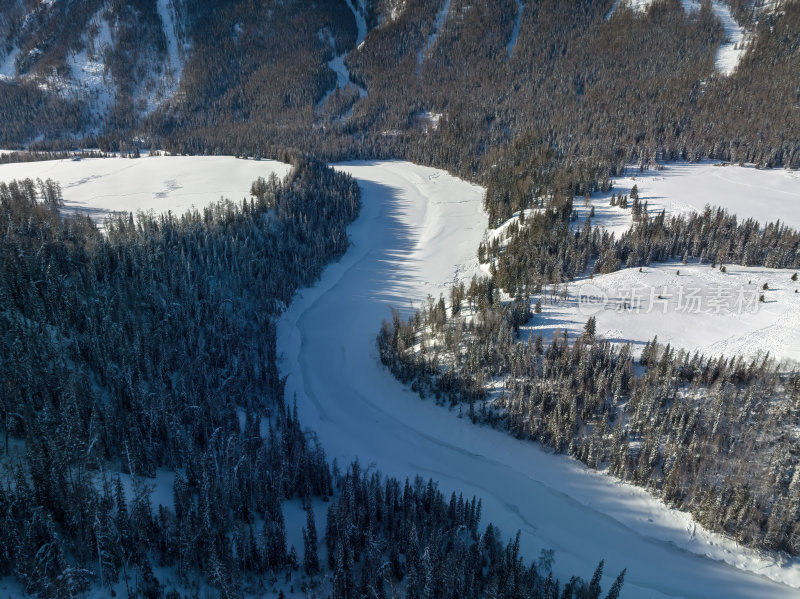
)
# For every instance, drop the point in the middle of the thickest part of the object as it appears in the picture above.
(101, 186)
(765, 195)
(691, 306)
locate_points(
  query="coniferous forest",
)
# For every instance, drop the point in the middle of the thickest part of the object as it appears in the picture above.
(699, 431)
(143, 418)
(150, 347)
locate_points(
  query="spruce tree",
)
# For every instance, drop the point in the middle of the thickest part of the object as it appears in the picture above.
(310, 549)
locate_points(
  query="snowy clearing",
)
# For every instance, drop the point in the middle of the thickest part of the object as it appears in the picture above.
(100, 186)
(418, 230)
(701, 308)
(731, 49)
(765, 195)
(692, 306)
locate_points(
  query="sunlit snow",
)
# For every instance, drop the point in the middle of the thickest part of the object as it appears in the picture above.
(690, 305)
(99, 186)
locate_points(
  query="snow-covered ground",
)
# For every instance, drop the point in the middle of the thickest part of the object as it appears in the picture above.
(701, 308)
(766, 195)
(337, 64)
(87, 77)
(693, 306)
(99, 186)
(88, 66)
(418, 231)
(732, 48)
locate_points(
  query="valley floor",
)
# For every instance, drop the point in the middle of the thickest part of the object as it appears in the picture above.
(417, 232)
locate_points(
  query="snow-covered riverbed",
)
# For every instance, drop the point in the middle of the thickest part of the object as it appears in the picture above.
(418, 230)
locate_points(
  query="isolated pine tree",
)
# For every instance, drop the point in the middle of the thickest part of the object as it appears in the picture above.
(590, 329)
(310, 548)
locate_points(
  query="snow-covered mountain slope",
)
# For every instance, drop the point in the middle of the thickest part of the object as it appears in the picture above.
(418, 231)
(730, 50)
(441, 17)
(94, 52)
(99, 186)
(359, 10)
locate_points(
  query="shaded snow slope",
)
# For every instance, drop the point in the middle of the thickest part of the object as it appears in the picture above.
(441, 17)
(418, 230)
(89, 75)
(515, 32)
(99, 186)
(337, 64)
(174, 62)
(359, 12)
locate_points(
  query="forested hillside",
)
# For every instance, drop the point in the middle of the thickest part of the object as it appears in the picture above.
(523, 96)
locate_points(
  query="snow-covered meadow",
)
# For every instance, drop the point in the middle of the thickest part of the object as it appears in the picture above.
(765, 195)
(693, 306)
(418, 232)
(100, 186)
